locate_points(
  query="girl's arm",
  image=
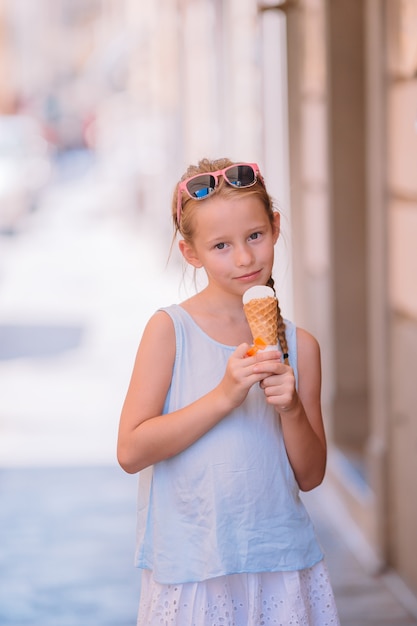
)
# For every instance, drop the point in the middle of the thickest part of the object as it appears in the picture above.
(301, 416)
(146, 436)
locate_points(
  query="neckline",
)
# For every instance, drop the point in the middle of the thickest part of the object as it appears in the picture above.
(203, 332)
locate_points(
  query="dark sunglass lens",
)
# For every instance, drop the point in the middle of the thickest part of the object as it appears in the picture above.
(201, 186)
(240, 175)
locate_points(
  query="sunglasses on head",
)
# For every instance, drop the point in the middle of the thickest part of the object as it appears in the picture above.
(201, 186)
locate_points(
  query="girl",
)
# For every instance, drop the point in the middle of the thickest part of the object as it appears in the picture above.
(224, 441)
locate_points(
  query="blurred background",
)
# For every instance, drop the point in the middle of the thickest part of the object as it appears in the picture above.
(103, 104)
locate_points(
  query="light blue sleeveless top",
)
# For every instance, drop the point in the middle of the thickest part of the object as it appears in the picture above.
(230, 502)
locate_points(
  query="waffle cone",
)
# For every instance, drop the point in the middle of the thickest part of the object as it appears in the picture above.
(261, 314)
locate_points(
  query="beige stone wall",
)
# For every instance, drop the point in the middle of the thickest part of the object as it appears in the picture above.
(402, 286)
(311, 206)
(353, 148)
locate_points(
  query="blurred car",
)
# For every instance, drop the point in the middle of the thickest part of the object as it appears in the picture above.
(25, 168)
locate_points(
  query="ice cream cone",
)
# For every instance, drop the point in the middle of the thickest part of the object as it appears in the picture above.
(260, 307)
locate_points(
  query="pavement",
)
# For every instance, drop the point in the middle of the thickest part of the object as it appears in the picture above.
(76, 288)
(67, 541)
(364, 596)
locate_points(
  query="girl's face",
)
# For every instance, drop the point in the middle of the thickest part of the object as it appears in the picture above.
(234, 242)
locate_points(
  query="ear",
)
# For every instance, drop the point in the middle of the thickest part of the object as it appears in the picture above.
(189, 253)
(276, 225)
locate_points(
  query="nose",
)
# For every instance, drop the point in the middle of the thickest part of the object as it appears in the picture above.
(243, 256)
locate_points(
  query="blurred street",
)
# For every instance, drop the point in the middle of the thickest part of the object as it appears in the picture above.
(77, 285)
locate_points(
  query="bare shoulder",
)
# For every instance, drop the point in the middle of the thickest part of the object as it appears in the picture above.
(309, 361)
(152, 370)
(160, 327)
(157, 348)
(307, 345)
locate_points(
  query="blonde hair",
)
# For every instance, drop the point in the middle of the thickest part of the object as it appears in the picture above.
(188, 205)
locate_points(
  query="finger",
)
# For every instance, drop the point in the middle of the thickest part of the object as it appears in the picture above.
(271, 367)
(267, 355)
(241, 350)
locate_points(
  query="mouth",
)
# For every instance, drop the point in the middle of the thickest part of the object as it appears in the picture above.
(246, 278)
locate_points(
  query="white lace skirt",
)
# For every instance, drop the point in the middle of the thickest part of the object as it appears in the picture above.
(300, 598)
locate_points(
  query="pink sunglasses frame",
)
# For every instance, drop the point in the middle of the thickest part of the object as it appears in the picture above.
(183, 184)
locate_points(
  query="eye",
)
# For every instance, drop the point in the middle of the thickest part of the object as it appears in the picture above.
(220, 246)
(254, 236)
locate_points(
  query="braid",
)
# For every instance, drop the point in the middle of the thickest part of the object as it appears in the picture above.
(282, 338)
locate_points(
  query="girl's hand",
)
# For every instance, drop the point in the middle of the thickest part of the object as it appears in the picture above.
(242, 372)
(279, 388)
